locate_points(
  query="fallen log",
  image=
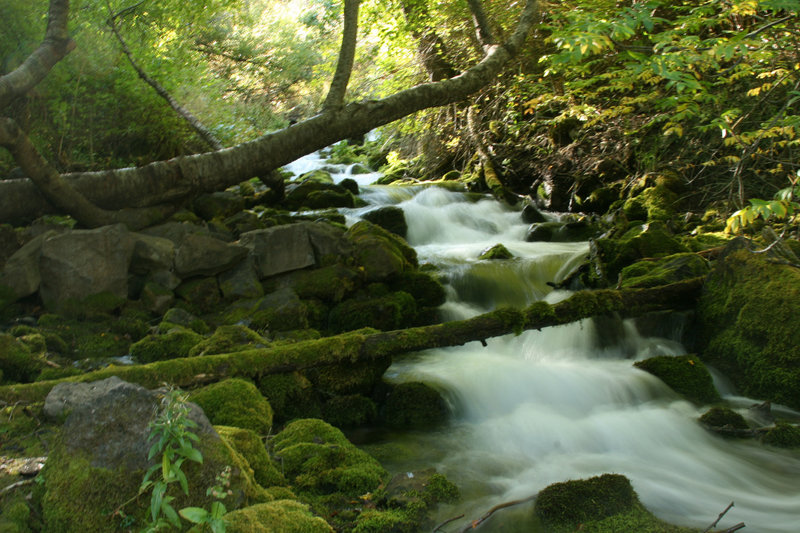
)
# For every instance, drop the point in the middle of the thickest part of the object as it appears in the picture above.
(370, 344)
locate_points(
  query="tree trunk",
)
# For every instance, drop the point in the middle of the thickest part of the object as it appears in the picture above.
(366, 345)
(182, 177)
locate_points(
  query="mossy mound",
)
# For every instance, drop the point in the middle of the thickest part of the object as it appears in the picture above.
(391, 218)
(281, 310)
(684, 374)
(15, 515)
(101, 336)
(498, 251)
(252, 448)
(228, 339)
(177, 342)
(723, 418)
(317, 458)
(329, 284)
(235, 402)
(392, 311)
(17, 363)
(611, 255)
(669, 269)
(783, 436)
(349, 411)
(280, 516)
(653, 203)
(747, 318)
(379, 253)
(565, 506)
(414, 405)
(426, 290)
(199, 296)
(291, 396)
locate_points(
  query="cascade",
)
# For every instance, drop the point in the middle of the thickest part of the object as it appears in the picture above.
(565, 402)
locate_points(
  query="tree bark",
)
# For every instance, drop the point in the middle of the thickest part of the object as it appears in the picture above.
(184, 113)
(483, 30)
(430, 46)
(347, 54)
(180, 178)
(367, 345)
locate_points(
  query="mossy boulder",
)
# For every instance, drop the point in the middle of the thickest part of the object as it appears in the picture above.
(783, 436)
(565, 506)
(291, 396)
(280, 516)
(235, 402)
(669, 269)
(379, 253)
(723, 418)
(611, 255)
(653, 203)
(200, 295)
(330, 283)
(393, 311)
(252, 448)
(280, 310)
(747, 317)
(100, 458)
(177, 342)
(684, 374)
(317, 458)
(17, 363)
(349, 411)
(316, 190)
(498, 251)
(15, 515)
(414, 405)
(426, 290)
(390, 218)
(218, 204)
(228, 339)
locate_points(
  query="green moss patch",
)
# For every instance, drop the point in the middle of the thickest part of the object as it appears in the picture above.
(17, 363)
(783, 436)
(684, 374)
(414, 405)
(393, 311)
(722, 417)
(252, 448)
(663, 271)
(229, 339)
(498, 251)
(235, 402)
(281, 516)
(177, 342)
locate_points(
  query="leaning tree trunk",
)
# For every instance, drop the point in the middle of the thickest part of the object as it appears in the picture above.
(367, 345)
(182, 177)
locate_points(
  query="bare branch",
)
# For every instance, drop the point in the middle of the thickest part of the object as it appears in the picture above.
(347, 53)
(482, 28)
(54, 47)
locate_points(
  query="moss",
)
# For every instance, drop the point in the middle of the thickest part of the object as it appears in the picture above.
(284, 516)
(653, 203)
(723, 417)
(330, 284)
(426, 290)
(176, 343)
(393, 311)
(498, 251)
(17, 363)
(565, 506)
(229, 339)
(353, 378)
(414, 405)
(349, 411)
(380, 521)
(317, 458)
(669, 269)
(638, 519)
(235, 402)
(23, 434)
(252, 448)
(93, 338)
(15, 516)
(704, 241)
(200, 295)
(783, 436)
(747, 317)
(291, 396)
(100, 304)
(684, 374)
(379, 253)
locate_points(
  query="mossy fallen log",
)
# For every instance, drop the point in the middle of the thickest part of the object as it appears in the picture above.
(369, 344)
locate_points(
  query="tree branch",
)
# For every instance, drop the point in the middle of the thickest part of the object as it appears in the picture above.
(184, 113)
(347, 53)
(54, 47)
(482, 28)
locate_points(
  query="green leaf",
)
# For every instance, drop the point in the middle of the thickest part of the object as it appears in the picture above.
(156, 498)
(193, 454)
(195, 515)
(218, 509)
(171, 515)
(182, 481)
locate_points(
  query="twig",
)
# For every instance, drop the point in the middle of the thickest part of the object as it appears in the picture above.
(712, 526)
(15, 485)
(490, 512)
(737, 527)
(440, 526)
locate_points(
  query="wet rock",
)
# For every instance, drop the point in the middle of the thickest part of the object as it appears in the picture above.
(783, 436)
(82, 263)
(329, 242)
(566, 506)
(498, 251)
(156, 298)
(9, 243)
(726, 422)
(280, 249)
(684, 374)
(21, 271)
(151, 254)
(220, 204)
(669, 269)
(381, 254)
(390, 218)
(531, 214)
(203, 255)
(200, 295)
(241, 281)
(414, 406)
(572, 231)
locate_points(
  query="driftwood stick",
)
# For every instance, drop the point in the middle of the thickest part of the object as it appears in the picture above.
(490, 512)
(737, 527)
(712, 526)
(440, 526)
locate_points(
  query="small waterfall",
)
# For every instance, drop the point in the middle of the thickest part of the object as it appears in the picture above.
(564, 402)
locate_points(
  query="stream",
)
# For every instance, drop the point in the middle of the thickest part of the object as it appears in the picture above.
(564, 402)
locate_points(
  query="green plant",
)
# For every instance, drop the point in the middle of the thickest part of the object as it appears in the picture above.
(783, 206)
(172, 430)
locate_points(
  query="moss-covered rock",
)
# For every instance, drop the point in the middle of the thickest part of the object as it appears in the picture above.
(317, 458)
(390, 218)
(235, 402)
(15, 516)
(653, 203)
(426, 290)
(349, 411)
(565, 506)
(414, 405)
(228, 339)
(684, 374)
(280, 516)
(252, 448)
(783, 436)
(747, 318)
(379, 253)
(329, 284)
(17, 363)
(669, 269)
(393, 311)
(498, 251)
(93, 338)
(291, 396)
(281, 310)
(611, 255)
(723, 418)
(200, 295)
(177, 342)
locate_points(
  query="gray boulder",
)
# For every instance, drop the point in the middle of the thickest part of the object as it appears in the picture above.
(21, 271)
(82, 263)
(241, 281)
(280, 249)
(204, 255)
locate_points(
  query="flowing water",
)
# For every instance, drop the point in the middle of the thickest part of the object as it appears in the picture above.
(565, 402)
